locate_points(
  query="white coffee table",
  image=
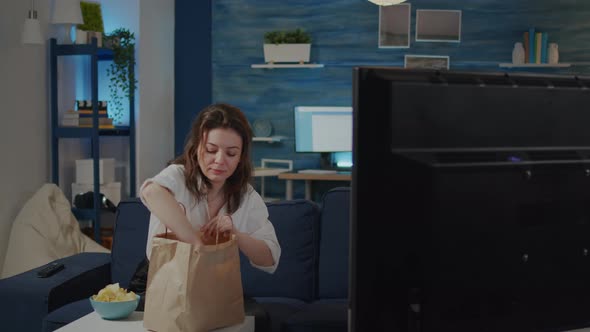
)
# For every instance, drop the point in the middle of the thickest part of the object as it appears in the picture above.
(93, 323)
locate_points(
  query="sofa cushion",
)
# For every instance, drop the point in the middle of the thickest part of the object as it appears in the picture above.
(319, 316)
(334, 240)
(296, 226)
(130, 236)
(66, 314)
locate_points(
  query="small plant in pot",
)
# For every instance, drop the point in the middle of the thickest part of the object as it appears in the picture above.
(287, 46)
(121, 74)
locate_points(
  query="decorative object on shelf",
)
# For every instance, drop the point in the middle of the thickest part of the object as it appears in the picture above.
(66, 13)
(109, 41)
(122, 79)
(32, 28)
(518, 54)
(427, 61)
(287, 46)
(553, 54)
(93, 25)
(386, 2)
(262, 128)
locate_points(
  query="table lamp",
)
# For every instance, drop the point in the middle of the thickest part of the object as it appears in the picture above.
(66, 13)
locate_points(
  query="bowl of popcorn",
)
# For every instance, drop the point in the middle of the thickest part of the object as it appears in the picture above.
(114, 302)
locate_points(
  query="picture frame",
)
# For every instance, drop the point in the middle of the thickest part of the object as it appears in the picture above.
(440, 62)
(437, 25)
(394, 26)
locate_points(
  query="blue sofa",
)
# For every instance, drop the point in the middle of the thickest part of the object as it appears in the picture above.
(308, 291)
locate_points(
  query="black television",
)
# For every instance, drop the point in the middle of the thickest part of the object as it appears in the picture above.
(470, 201)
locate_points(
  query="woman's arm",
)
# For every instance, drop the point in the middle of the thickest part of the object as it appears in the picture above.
(163, 205)
(256, 250)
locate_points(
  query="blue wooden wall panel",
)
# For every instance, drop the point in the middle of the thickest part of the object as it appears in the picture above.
(345, 35)
(192, 65)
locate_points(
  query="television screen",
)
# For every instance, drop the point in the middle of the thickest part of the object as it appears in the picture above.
(470, 202)
(323, 129)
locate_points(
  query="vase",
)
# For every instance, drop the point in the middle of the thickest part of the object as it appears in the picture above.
(518, 54)
(553, 54)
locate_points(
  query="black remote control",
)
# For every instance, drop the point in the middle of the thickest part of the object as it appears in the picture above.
(50, 270)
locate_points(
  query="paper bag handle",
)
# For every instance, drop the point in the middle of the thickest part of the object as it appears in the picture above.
(184, 211)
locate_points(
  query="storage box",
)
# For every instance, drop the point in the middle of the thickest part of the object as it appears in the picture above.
(112, 190)
(85, 171)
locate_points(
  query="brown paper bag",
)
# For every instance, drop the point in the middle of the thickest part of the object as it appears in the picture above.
(192, 290)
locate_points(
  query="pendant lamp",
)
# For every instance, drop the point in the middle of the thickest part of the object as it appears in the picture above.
(32, 28)
(387, 2)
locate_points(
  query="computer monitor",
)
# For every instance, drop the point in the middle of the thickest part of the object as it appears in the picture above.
(327, 130)
(323, 129)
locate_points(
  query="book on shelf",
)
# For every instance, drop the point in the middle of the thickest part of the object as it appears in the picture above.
(105, 126)
(527, 47)
(532, 46)
(544, 38)
(70, 116)
(70, 122)
(538, 46)
(85, 113)
(89, 121)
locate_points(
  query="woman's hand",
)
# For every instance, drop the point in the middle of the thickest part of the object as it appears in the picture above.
(222, 223)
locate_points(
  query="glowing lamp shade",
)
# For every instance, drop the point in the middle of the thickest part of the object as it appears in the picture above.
(387, 2)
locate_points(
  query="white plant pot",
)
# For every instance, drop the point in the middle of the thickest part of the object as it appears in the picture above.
(286, 53)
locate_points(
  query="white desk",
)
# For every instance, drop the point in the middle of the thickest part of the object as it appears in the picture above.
(93, 323)
(308, 178)
(265, 170)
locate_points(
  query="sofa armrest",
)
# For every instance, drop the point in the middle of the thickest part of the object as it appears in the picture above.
(26, 299)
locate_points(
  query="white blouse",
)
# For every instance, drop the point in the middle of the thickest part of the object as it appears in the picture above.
(251, 217)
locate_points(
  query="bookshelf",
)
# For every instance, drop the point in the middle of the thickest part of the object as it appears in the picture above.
(92, 133)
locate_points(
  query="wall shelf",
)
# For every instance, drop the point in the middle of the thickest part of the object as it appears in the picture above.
(287, 65)
(270, 139)
(535, 65)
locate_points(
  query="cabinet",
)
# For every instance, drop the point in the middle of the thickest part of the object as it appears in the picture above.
(93, 133)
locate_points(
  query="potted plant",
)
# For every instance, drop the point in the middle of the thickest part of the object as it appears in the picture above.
(287, 46)
(93, 25)
(122, 76)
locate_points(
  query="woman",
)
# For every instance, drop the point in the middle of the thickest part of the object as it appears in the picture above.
(208, 188)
